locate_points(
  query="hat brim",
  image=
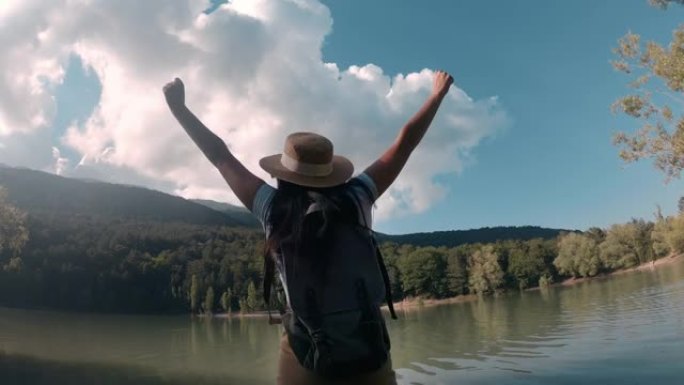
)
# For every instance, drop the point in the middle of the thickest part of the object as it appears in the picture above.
(342, 170)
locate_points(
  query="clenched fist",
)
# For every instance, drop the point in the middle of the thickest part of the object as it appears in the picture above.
(441, 83)
(175, 93)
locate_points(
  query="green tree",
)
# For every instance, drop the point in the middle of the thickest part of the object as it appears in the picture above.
(252, 301)
(643, 240)
(423, 272)
(485, 274)
(13, 232)
(545, 281)
(675, 237)
(627, 245)
(194, 294)
(661, 135)
(578, 255)
(597, 234)
(527, 262)
(457, 275)
(659, 236)
(209, 301)
(226, 299)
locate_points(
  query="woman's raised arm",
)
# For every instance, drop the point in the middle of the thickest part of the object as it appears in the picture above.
(243, 183)
(386, 169)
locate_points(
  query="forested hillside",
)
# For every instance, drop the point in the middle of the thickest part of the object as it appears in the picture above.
(36, 191)
(91, 246)
(238, 213)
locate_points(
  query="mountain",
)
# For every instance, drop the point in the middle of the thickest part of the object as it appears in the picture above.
(484, 235)
(44, 193)
(95, 246)
(236, 212)
(37, 191)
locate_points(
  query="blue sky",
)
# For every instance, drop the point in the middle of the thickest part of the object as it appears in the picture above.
(547, 62)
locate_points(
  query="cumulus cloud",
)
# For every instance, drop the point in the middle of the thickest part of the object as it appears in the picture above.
(253, 71)
(60, 163)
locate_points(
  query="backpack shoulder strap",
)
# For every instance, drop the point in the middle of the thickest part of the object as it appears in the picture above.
(269, 273)
(378, 254)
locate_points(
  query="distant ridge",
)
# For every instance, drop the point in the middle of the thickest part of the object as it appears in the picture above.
(455, 238)
(45, 193)
(236, 212)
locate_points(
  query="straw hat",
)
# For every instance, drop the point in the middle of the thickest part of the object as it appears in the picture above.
(308, 160)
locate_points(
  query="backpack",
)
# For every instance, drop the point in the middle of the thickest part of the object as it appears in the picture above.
(333, 322)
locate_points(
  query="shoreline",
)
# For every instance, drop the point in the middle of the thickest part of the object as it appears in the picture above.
(672, 258)
(417, 303)
(412, 304)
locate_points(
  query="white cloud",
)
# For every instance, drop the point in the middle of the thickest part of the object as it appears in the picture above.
(253, 71)
(60, 163)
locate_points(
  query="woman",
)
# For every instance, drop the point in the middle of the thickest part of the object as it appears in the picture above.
(304, 219)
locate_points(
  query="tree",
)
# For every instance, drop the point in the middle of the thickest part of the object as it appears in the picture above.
(457, 276)
(485, 274)
(527, 263)
(209, 301)
(226, 299)
(194, 294)
(13, 232)
(675, 237)
(423, 272)
(627, 245)
(252, 301)
(596, 233)
(578, 255)
(661, 134)
(659, 236)
(680, 205)
(643, 240)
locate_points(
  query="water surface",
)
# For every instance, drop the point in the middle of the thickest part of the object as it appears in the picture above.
(627, 329)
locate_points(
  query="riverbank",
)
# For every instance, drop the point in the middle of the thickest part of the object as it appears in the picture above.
(412, 303)
(644, 266)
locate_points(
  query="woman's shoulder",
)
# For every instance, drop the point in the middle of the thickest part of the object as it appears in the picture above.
(363, 186)
(262, 202)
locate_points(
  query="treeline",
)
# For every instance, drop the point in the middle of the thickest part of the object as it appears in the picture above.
(488, 268)
(90, 264)
(87, 263)
(621, 246)
(454, 238)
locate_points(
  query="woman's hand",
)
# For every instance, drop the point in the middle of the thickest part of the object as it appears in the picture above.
(175, 94)
(441, 83)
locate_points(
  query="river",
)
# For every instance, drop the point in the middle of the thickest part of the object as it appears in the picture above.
(625, 329)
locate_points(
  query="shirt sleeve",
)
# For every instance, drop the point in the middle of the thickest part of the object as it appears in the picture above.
(368, 182)
(262, 202)
(365, 185)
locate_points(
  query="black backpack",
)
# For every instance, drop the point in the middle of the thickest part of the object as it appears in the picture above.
(334, 323)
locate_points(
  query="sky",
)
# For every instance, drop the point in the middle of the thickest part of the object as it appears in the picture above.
(523, 138)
